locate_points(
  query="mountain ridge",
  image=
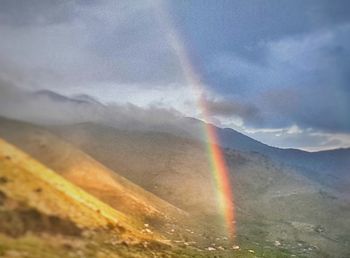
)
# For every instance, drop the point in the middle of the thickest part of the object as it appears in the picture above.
(222, 131)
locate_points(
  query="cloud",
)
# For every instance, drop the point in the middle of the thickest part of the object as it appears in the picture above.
(295, 137)
(304, 81)
(50, 108)
(36, 12)
(230, 108)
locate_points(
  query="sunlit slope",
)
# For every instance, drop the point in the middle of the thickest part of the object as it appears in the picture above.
(82, 170)
(44, 215)
(27, 181)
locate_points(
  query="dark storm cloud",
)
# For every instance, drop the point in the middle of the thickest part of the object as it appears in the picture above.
(229, 108)
(290, 58)
(306, 82)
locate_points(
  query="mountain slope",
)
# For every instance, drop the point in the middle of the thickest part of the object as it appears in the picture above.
(289, 196)
(273, 202)
(89, 174)
(44, 215)
(331, 168)
(36, 185)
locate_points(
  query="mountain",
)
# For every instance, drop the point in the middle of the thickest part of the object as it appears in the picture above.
(84, 171)
(187, 234)
(330, 168)
(287, 201)
(109, 185)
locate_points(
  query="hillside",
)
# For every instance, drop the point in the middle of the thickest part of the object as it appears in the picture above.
(112, 188)
(59, 215)
(331, 168)
(82, 170)
(274, 202)
(43, 215)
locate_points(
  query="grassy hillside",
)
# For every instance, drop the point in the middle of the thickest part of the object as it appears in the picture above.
(43, 215)
(26, 180)
(85, 172)
(272, 200)
(279, 211)
(41, 212)
(110, 187)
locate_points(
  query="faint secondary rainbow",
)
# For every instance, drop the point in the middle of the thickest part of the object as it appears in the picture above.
(218, 165)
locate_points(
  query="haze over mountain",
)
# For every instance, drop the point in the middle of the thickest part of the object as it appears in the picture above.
(331, 168)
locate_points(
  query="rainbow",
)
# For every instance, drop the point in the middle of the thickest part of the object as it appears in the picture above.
(218, 165)
(222, 180)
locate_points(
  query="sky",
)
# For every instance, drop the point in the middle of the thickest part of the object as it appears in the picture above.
(276, 70)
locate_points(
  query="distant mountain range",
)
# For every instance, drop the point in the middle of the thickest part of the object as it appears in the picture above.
(331, 167)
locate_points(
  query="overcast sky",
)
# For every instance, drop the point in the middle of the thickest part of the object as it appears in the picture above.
(276, 70)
